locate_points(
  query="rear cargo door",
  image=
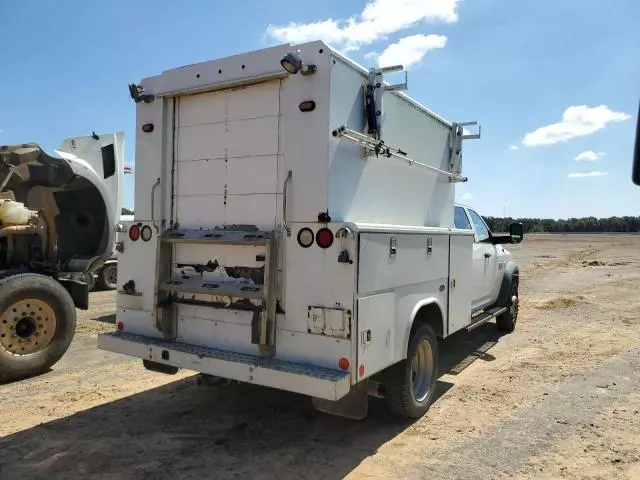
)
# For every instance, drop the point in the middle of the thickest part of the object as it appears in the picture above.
(226, 157)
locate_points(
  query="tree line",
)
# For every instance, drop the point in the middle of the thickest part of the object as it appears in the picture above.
(570, 225)
(549, 225)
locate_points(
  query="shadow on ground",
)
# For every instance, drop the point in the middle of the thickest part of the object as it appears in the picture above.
(190, 431)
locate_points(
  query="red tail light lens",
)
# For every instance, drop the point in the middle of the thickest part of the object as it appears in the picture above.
(324, 238)
(134, 233)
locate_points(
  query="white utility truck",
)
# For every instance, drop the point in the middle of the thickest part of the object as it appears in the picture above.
(57, 223)
(294, 228)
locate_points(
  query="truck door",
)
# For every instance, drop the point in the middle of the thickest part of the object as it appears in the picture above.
(104, 155)
(485, 264)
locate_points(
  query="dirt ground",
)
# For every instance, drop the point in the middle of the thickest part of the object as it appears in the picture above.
(558, 398)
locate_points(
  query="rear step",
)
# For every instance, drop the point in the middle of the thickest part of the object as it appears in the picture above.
(485, 316)
(172, 287)
(218, 236)
(305, 379)
(195, 285)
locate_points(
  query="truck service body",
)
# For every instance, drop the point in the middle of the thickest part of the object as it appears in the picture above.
(294, 228)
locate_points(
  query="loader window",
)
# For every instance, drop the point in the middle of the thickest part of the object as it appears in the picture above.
(108, 160)
(461, 220)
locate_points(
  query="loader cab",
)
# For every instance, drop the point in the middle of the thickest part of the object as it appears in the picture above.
(99, 158)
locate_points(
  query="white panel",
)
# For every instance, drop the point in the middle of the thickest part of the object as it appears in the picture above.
(206, 108)
(201, 142)
(200, 211)
(387, 190)
(254, 101)
(253, 175)
(138, 263)
(225, 329)
(316, 350)
(256, 209)
(201, 177)
(376, 329)
(315, 278)
(252, 137)
(379, 271)
(460, 271)
(242, 138)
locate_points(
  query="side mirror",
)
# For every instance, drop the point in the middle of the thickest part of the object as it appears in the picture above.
(635, 175)
(516, 232)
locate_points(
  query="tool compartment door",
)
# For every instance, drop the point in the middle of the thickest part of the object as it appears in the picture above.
(226, 157)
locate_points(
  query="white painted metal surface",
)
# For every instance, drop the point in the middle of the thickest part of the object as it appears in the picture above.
(226, 135)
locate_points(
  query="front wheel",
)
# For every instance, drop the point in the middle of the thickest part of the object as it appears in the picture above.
(410, 384)
(37, 324)
(507, 321)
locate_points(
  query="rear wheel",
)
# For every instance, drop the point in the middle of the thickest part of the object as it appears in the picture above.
(108, 277)
(507, 321)
(37, 324)
(410, 384)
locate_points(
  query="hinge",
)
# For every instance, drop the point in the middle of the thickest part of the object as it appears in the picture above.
(453, 283)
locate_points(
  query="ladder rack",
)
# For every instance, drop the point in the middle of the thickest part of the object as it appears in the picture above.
(379, 147)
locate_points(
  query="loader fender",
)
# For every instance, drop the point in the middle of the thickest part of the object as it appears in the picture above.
(511, 270)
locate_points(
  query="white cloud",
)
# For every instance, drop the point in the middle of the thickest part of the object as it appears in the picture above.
(466, 197)
(511, 148)
(588, 156)
(1, 131)
(410, 50)
(378, 19)
(587, 174)
(577, 121)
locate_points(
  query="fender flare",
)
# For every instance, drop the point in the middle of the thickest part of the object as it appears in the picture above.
(416, 308)
(511, 270)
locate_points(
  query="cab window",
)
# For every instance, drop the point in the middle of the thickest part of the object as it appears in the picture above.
(460, 219)
(482, 231)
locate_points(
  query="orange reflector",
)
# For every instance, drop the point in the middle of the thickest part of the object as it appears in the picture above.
(120, 326)
(361, 370)
(343, 363)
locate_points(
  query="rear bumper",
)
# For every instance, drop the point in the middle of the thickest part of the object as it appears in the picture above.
(293, 377)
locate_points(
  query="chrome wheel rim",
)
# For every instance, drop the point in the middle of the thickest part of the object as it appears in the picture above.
(111, 276)
(513, 308)
(27, 327)
(422, 371)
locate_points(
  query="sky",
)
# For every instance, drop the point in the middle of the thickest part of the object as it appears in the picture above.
(554, 84)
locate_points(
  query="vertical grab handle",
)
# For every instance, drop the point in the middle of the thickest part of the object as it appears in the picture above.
(153, 203)
(285, 190)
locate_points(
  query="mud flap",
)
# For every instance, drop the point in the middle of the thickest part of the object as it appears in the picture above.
(353, 405)
(79, 292)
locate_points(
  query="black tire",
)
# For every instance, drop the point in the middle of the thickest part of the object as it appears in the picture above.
(46, 297)
(108, 277)
(398, 379)
(507, 321)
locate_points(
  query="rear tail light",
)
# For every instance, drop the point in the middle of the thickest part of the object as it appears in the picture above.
(146, 233)
(134, 232)
(324, 238)
(305, 237)
(120, 326)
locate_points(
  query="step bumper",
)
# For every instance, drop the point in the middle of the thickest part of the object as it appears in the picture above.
(293, 377)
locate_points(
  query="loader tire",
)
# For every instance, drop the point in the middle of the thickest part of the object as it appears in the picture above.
(409, 385)
(506, 321)
(37, 324)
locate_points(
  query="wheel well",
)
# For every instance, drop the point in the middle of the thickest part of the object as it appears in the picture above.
(430, 315)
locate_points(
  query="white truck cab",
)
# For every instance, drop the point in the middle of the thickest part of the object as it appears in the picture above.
(295, 228)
